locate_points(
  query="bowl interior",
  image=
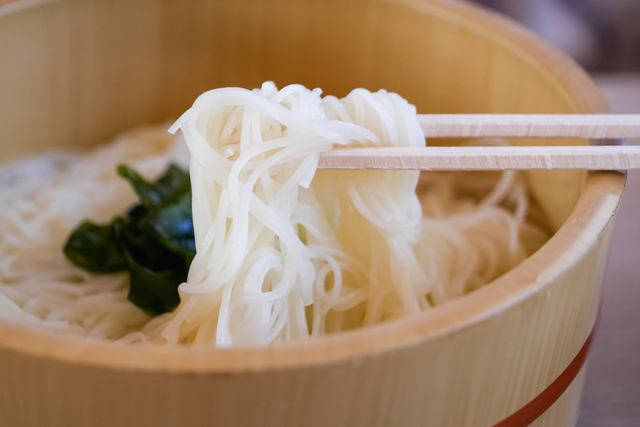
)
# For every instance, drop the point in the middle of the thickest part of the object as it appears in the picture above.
(75, 73)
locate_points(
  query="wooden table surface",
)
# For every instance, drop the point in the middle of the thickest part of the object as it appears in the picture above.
(612, 391)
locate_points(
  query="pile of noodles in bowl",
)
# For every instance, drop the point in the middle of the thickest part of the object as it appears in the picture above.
(283, 252)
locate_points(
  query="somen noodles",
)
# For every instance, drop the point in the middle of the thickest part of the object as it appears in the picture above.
(283, 252)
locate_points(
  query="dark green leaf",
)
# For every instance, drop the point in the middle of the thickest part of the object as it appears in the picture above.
(154, 274)
(172, 225)
(174, 182)
(94, 248)
(144, 248)
(154, 292)
(137, 213)
(171, 184)
(154, 241)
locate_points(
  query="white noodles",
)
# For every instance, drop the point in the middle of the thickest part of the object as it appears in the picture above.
(281, 257)
(284, 252)
(41, 201)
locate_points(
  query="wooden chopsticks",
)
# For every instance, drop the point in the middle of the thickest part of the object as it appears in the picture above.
(589, 157)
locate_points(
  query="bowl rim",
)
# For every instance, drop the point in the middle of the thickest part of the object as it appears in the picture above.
(595, 209)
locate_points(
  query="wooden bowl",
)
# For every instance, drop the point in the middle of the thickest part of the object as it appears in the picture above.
(75, 73)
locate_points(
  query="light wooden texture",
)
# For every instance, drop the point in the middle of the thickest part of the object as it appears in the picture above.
(484, 158)
(76, 72)
(594, 126)
(611, 396)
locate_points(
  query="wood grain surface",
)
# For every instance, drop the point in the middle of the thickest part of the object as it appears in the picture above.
(593, 157)
(76, 72)
(593, 126)
(612, 390)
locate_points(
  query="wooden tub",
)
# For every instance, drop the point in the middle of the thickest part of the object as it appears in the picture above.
(76, 72)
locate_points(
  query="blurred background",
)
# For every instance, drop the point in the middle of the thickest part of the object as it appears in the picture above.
(604, 37)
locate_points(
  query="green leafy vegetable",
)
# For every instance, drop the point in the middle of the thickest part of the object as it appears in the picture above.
(154, 241)
(95, 249)
(171, 185)
(172, 225)
(154, 271)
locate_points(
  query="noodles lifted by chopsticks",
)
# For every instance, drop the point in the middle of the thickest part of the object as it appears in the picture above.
(282, 256)
(284, 252)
